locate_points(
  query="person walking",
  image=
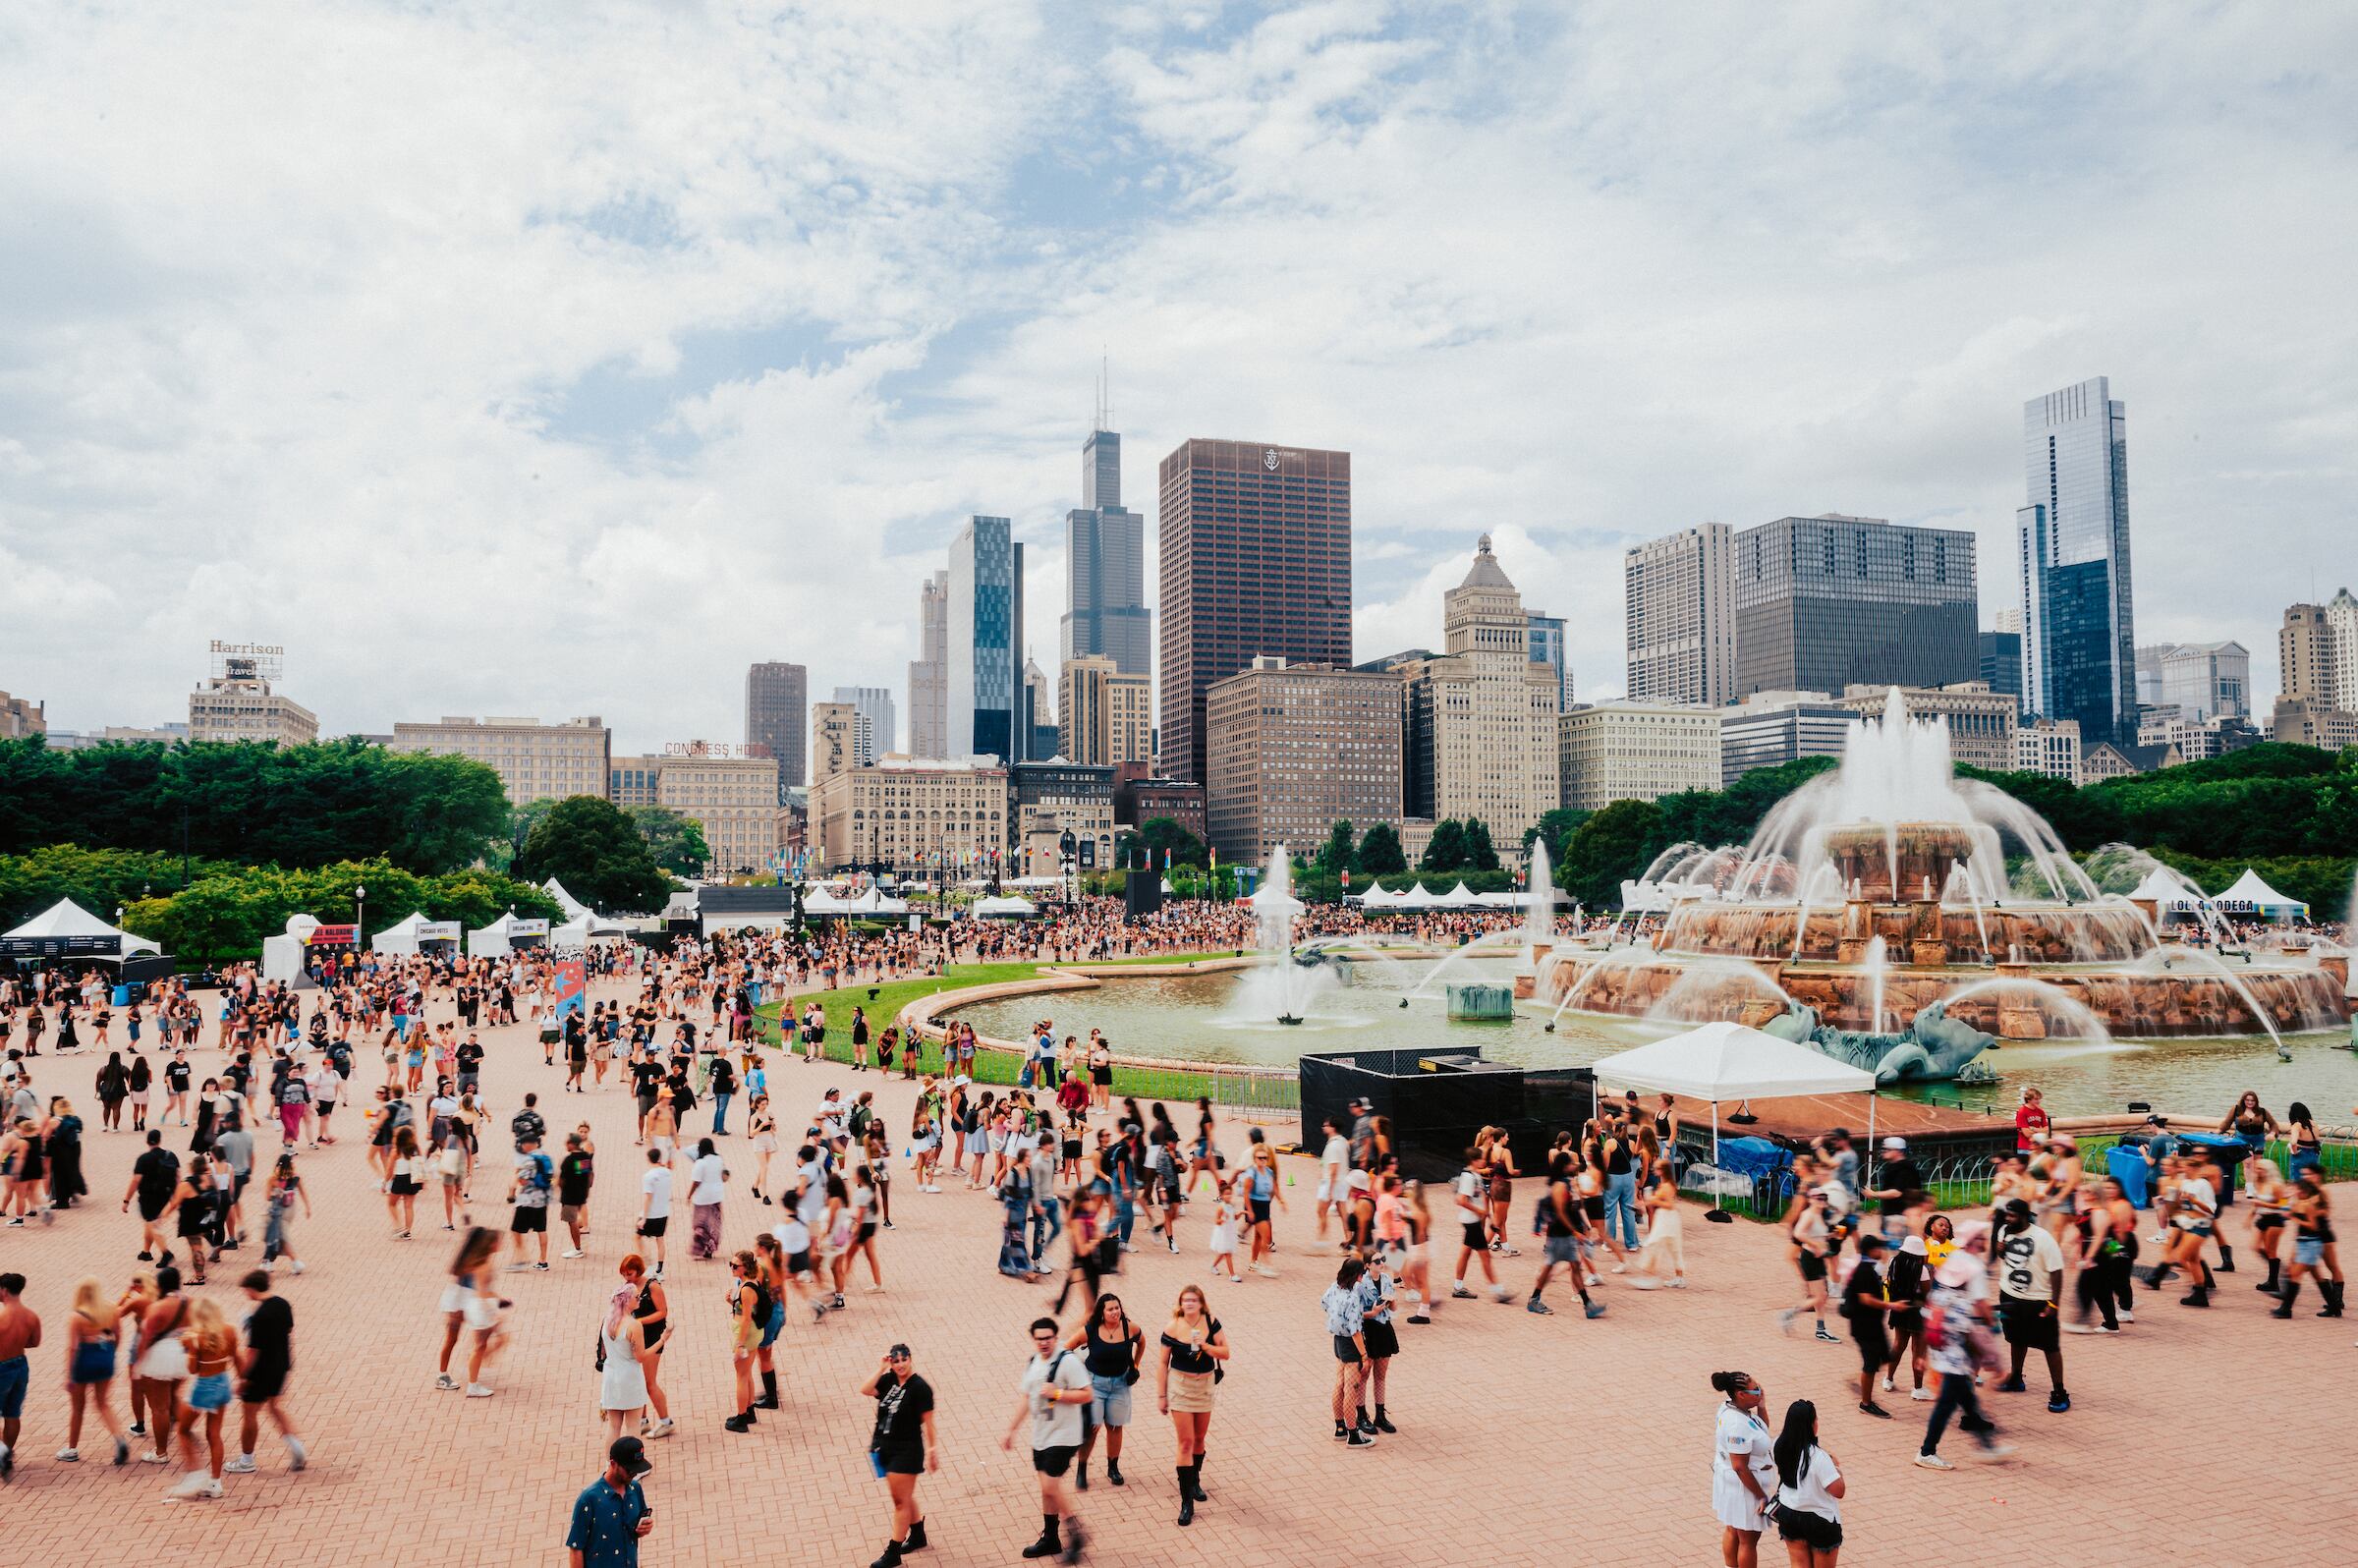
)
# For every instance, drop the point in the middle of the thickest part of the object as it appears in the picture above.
(611, 1515)
(1957, 1313)
(1054, 1393)
(1809, 1491)
(708, 1183)
(2029, 1298)
(1866, 1305)
(529, 1189)
(1114, 1350)
(93, 1334)
(622, 1359)
(263, 1364)
(576, 1172)
(654, 1200)
(1743, 1468)
(1194, 1345)
(900, 1446)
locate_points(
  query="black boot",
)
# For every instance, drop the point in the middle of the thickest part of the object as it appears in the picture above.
(1383, 1423)
(1186, 1496)
(1050, 1542)
(916, 1541)
(2275, 1276)
(770, 1392)
(2227, 1259)
(1195, 1481)
(891, 1558)
(1113, 1471)
(1080, 1476)
(2332, 1289)
(2292, 1289)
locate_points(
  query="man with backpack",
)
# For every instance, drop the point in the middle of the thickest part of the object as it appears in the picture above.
(529, 1189)
(1563, 1226)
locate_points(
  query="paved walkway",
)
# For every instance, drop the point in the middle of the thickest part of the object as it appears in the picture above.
(1522, 1440)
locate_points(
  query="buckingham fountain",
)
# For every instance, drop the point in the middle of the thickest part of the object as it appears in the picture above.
(1891, 897)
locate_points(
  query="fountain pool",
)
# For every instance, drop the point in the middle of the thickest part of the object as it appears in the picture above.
(1199, 1018)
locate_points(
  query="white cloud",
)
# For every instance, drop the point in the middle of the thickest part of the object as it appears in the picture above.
(516, 360)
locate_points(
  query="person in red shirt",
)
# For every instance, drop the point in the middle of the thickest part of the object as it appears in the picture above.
(2030, 1124)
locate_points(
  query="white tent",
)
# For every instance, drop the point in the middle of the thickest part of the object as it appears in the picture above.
(65, 917)
(1009, 907)
(1462, 896)
(2251, 889)
(1418, 897)
(1729, 1061)
(2166, 889)
(492, 940)
(573, 907)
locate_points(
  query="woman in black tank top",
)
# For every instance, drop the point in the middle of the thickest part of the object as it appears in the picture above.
(1114, 1348)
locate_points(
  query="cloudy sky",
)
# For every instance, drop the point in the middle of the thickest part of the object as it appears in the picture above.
(561, 359)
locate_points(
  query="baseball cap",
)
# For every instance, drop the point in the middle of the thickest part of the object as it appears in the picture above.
(1896, 1146)
(631, 1454)
(1870, 1242)
(2016, 1209)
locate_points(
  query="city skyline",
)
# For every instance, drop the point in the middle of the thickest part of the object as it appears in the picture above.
(597, 398)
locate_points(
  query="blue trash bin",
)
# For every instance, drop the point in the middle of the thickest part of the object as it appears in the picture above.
(2229, 1152)
(2125, 1164)
(122, 997)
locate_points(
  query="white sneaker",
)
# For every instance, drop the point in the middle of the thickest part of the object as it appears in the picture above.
(209, 1489)
(478, 1390)
(1923, 1394)
(446, 1383)
(148, 1456)
(69, 1456)
(573, 1252)
(1264, 1270)
(1886, 1385)
(298, 1456)
(1932, 1462)
(242, 1465)
(1620, 1269)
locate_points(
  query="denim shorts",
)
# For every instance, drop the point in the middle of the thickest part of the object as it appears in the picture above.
(209, 1392)
(2308, 1251)
(15, 1374)
(1110, 1400)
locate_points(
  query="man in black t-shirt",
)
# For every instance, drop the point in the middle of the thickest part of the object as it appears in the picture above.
(153, 1176)
(527, 1123)
(471, 1062)
(900, 1446)
(1896, 1182)
(574, 1177)
(1567, 1237)
(267, 1358)
(1867, 1304)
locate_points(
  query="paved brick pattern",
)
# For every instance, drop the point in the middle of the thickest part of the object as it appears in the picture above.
(1524, 1440)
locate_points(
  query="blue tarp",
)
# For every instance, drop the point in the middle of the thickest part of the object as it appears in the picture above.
(1752, 1157)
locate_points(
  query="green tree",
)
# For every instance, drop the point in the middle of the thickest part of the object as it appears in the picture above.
(101, 880)
(1481, 854)
(589, 845)
(1554, 827)
(1380, 853)
(1335, 855)
(676, 842)
(1613, 844)
(1445, 850)
(1143, 848)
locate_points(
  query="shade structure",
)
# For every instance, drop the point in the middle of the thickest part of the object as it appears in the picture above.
(573, 907)
(1462, 896)
(2252, 889)
(1729, 1061)
(2166, 889)
(1008, 907)
(65, 917)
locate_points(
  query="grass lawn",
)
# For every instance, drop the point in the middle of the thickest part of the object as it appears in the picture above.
(1261, 1092)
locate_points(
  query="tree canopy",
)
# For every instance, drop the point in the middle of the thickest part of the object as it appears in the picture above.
(587, 843)
(227, 911)
(252, 803)
(676, 842)
(1380, 853)
(1143, 849)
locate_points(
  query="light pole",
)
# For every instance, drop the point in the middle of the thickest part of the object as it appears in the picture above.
(359, 916)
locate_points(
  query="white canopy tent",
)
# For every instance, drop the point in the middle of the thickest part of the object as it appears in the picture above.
(408, 935)
(1462, 896)
(2166, 889)
(1729, 1061)
(492, 941)
(65, 917)
(1009, 907)
(1418, 897)
(573, 907)
(2252, 889)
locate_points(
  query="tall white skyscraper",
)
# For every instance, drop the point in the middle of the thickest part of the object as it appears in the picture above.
(2079, 658)
(929, 673)
(875, 704)
(1680, 616)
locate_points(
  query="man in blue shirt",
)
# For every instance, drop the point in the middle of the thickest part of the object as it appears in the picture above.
(612, 1513)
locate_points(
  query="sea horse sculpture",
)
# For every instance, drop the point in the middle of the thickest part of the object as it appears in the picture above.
(1933, 1045)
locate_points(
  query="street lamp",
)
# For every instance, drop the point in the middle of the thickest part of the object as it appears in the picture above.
(359, 914)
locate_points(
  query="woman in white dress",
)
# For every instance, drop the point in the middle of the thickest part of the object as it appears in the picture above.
(622, 1383)
(1742, 1468)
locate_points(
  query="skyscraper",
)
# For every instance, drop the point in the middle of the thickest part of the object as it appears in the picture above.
(874, 704)
(1256, 559)
(1106, 567)
(2001, 661)
(1547, 647)
(1827, 602)
(1104, 717)
(2079, 656)
(1679, 616)
(986, 681)
(777, 698)
(929, 672)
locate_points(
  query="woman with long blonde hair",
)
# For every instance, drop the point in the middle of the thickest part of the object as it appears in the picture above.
(1194, 1344)
(212, 1350)
(93, 1335)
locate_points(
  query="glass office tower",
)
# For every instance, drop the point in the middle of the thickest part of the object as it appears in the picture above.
(986, 630)
(2079, 658)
